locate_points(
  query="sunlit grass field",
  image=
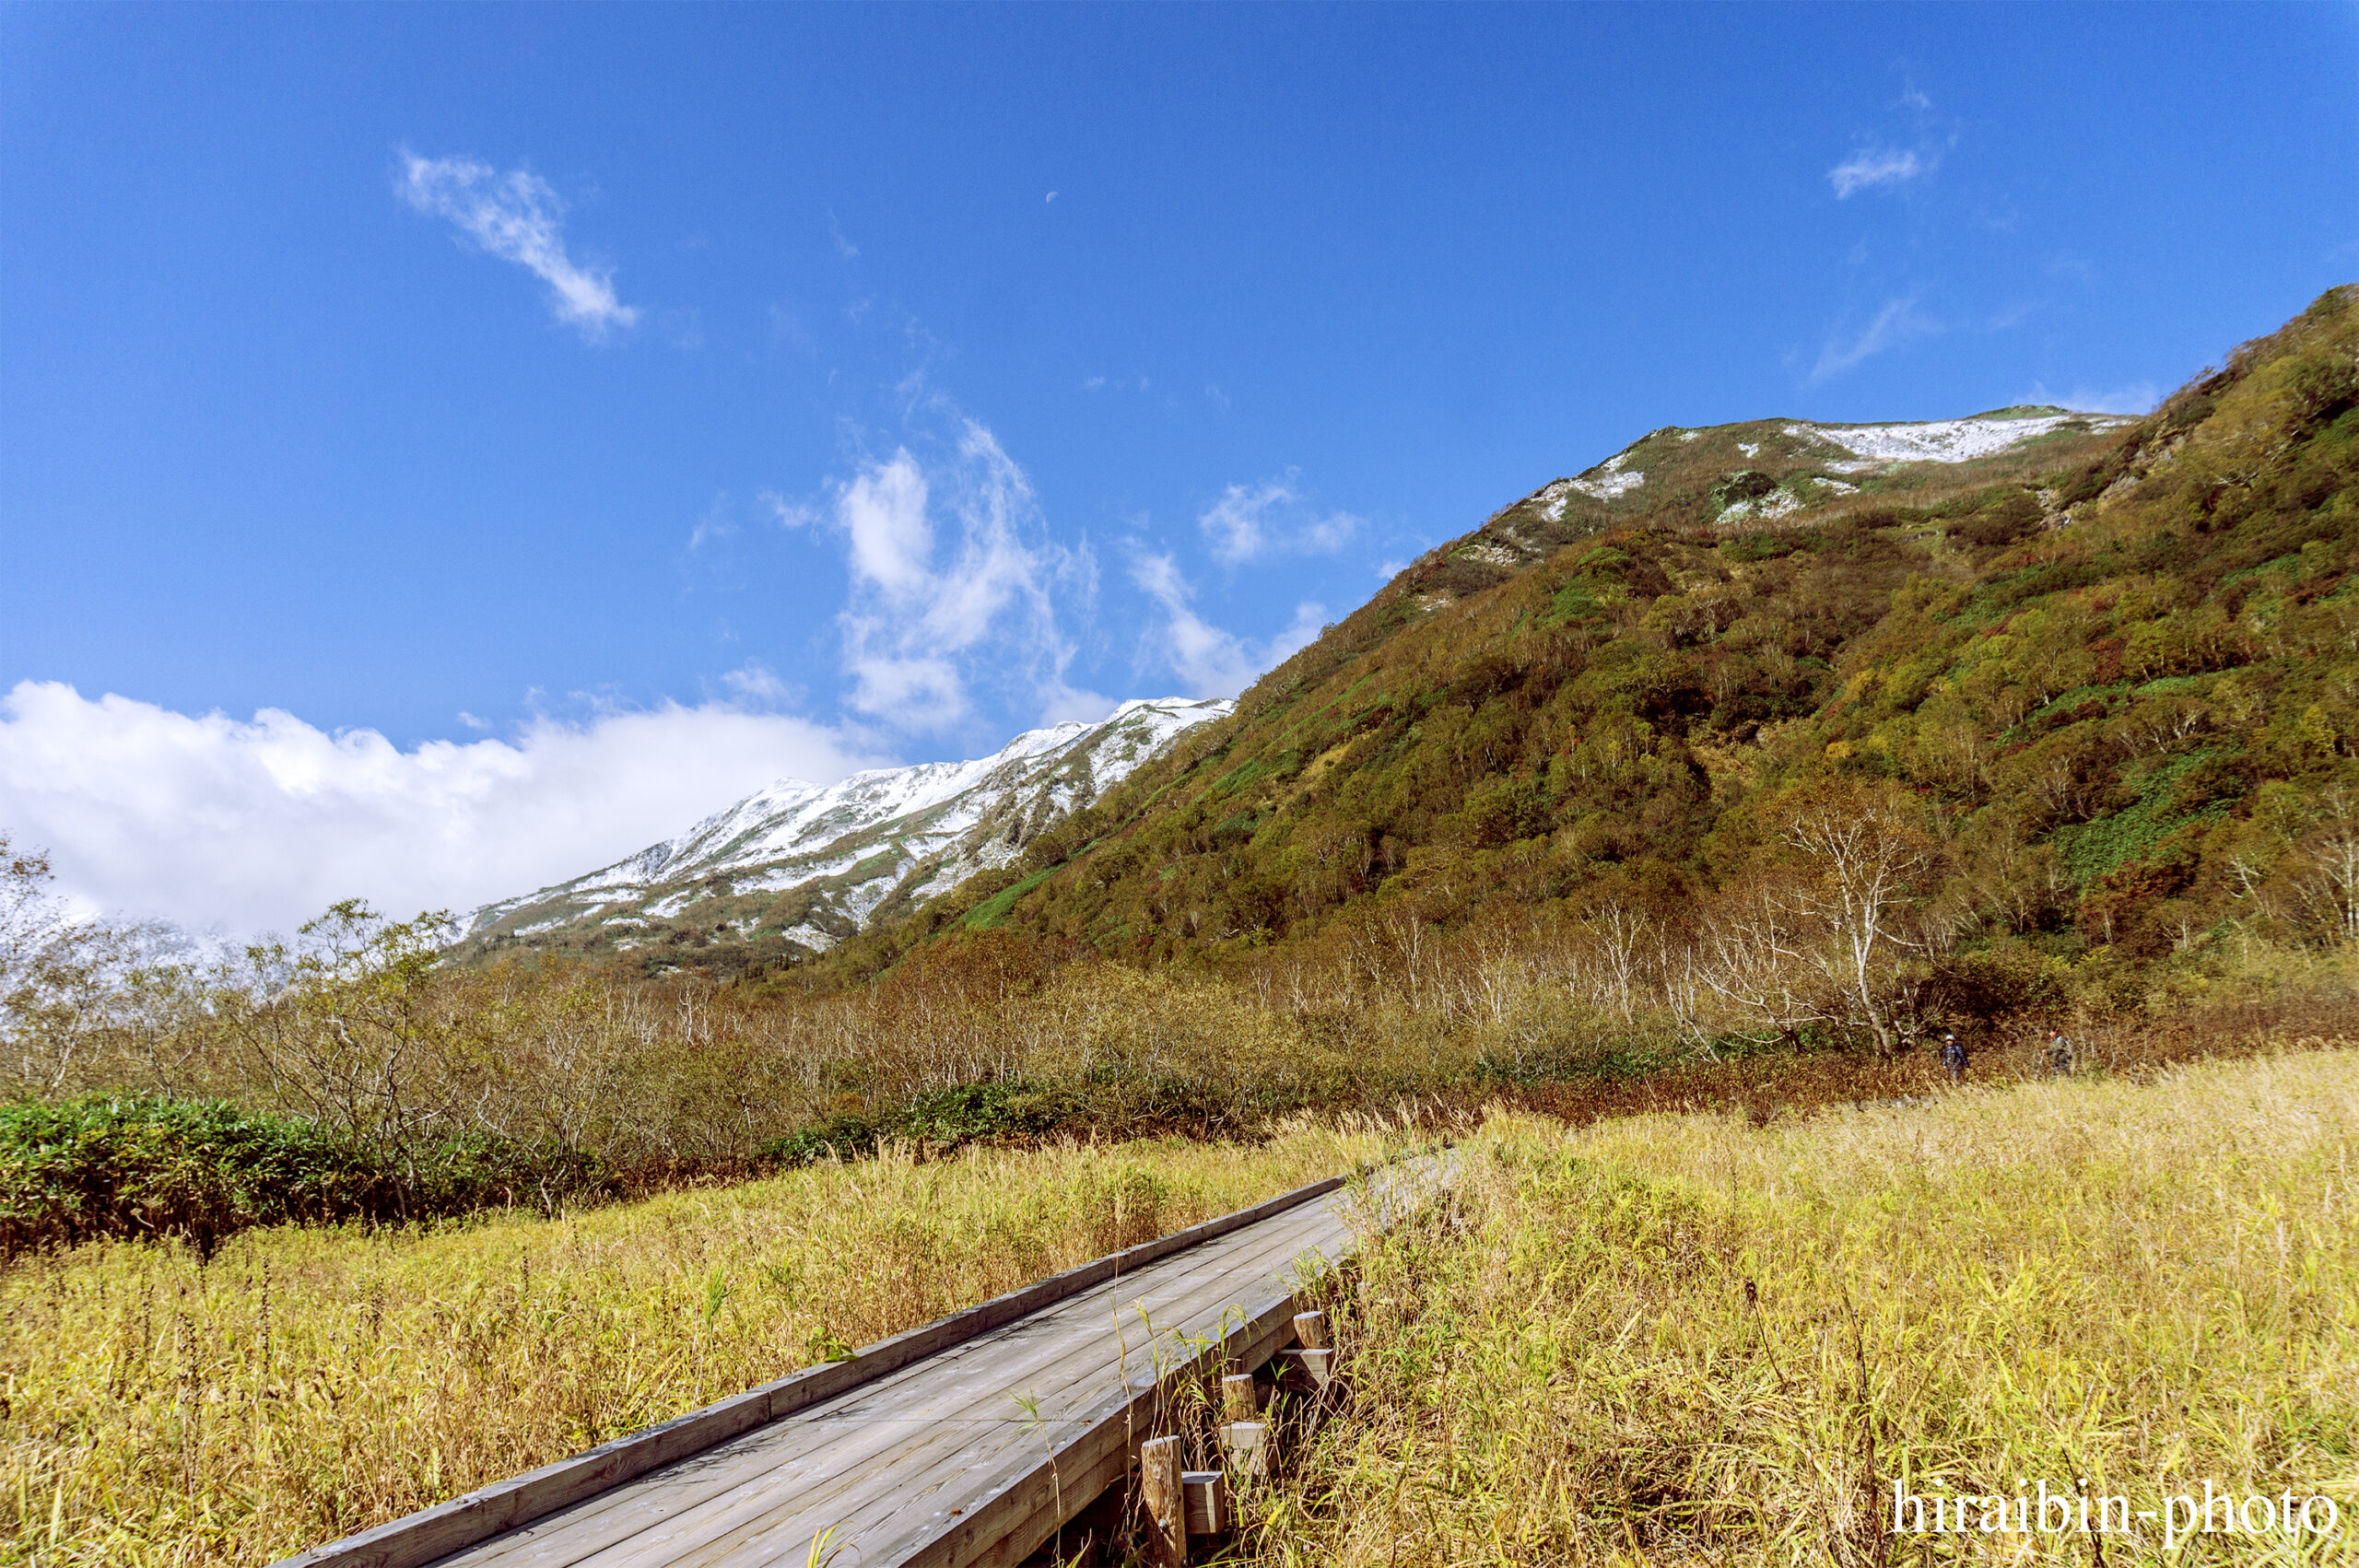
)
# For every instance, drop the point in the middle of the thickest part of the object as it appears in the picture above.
(309, 1383)
(1689, 1338)
(1654, 1339)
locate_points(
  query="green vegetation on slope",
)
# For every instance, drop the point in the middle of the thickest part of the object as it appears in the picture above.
(2106, 685)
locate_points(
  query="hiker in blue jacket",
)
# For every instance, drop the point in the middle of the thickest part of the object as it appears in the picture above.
(1954, 1058)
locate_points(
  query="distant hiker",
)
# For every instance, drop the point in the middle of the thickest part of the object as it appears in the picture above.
(1954, 1058)
(2060, 1057)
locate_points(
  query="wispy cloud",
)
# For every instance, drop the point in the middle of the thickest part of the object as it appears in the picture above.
(1872, 167)
(1208, 661)
(261, 824)
(1249, 522)
(518, 217)
(715, 525)
(1899, 321)
(954, 582)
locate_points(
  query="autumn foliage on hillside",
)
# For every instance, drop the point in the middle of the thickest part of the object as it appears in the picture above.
(2073, 724)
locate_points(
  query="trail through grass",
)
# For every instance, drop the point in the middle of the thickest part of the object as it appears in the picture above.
(311, 1381)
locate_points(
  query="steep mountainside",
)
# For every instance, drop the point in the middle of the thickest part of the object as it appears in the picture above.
(2099, 673)
(796, 868)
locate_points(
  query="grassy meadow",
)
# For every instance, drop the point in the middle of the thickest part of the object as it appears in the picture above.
(1695, 1339)
(312, 1381)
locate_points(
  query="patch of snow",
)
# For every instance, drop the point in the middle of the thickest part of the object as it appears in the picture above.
(809, 936)
(1490, 555)
(1942, 440)
(1750, 448)
(1610, 480)
(1551, 498)
(1763, 508)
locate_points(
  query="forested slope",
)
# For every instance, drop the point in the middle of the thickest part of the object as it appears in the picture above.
(2092, 697)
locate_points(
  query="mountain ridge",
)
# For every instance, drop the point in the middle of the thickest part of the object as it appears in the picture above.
(2091, 660)
(796, 866)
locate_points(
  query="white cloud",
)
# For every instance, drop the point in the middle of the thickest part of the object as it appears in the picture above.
(1271, 517)
(954, 580)
(517, 216)
(790, 514)
(1208, 661)
(260, 824)
(715, 525)
(1899, 321)
(1872, 166)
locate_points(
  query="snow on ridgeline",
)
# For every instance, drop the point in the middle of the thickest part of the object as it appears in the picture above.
(813, 862)
(1939, 440)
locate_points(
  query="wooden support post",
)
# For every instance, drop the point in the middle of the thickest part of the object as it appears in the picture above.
(1247, 1446)
(1316, 1356)
(1160, 1487)
(1239, 1400)
(1207, 1495)
(1318, 1366)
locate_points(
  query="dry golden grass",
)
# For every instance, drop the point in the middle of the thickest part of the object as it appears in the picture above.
(309, 1383)
(2145, 1285)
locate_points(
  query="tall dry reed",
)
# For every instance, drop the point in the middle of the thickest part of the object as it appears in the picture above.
(1668, 1339)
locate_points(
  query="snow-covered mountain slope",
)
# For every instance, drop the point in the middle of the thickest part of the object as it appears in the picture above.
(800, 865)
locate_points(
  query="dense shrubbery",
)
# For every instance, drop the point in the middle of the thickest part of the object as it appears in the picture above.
(97, 1164)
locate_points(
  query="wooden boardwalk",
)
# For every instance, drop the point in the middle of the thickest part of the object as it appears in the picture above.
(970, 1441)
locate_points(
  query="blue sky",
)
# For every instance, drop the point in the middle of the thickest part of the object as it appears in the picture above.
(443, 449)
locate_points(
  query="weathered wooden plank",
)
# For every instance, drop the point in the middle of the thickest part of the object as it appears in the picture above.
(796, 1474)
(424, 1537)
(990, 1459)
(747, 1478)
(1023, 1518)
